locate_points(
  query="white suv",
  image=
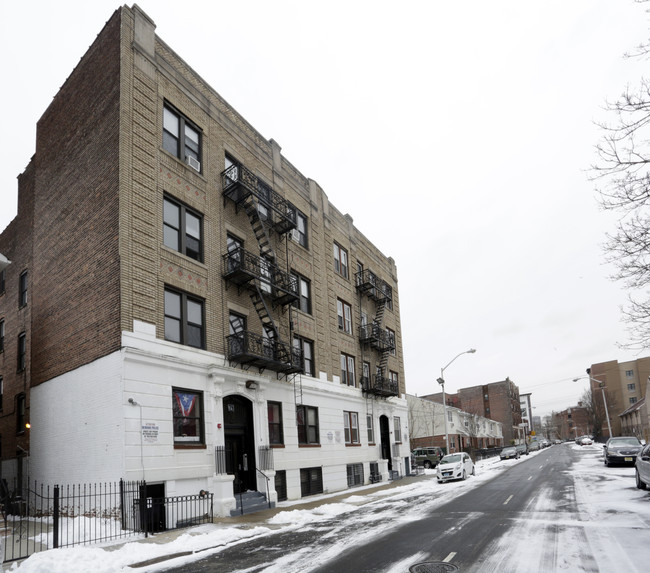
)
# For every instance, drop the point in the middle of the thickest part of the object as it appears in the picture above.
(642, 467)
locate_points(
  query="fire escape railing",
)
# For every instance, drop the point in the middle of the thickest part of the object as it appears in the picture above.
(375, 288)
(380, 385)
(377, 337)
(238, 183)
(244, 268)
(255, 350)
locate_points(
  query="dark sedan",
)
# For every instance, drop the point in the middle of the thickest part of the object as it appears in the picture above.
(621, 450)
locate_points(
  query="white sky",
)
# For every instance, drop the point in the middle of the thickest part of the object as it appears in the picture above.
(456, 134)
(607, 532)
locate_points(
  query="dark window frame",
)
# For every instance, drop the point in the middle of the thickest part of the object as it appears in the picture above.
(352, 434)
(183, 145)
(344, 320)
(21, 358)
(299, 235)
(305, 436)
(341, 261)
(276, 428)
(22, 289)
(21, 412)
(184, 324)
(348, 375)
(181, 230)
(301, 343)
(3, 281)
(179, 417)
(303, 303)
(2, 335)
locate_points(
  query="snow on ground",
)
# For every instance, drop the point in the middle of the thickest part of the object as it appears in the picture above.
(599, 501)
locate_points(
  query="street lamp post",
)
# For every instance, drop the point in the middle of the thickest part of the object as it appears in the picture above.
(441, 381)
(602, 386)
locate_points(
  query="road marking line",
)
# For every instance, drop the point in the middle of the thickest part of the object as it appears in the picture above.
(449, 557)
(530, 477)
(507, 500)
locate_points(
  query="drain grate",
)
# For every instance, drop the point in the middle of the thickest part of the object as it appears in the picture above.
(432, 567)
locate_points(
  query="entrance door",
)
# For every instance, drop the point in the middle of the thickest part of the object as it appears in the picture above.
(240, 442)
(384, 430)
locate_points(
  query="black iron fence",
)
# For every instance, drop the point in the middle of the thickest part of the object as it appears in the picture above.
(37, 518)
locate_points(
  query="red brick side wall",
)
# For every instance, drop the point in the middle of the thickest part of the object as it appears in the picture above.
(76, 216)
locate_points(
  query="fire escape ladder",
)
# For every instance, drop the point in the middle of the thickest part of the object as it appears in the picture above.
(263, 312)
(379, 315)
(259, 228)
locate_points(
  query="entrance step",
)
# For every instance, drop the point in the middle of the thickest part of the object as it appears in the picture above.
(250, 502)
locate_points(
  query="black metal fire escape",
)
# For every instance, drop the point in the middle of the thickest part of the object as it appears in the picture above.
(267, 212)
(374, 334)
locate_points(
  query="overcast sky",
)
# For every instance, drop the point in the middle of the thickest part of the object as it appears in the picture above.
(458, 135)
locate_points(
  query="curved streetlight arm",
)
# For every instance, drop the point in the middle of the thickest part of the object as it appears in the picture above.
(442, 370)
(602, 386)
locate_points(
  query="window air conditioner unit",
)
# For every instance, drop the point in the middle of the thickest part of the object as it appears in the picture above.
(194, 163)
(295, 235)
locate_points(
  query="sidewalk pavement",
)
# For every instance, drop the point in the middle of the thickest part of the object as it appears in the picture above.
(260, 518)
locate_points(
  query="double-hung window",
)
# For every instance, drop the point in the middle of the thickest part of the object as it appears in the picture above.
(344, 312)
(631, 387)
(181, 137)
(307, 418)
(22, 351)
(306, 349)
(21, 409)
(22, 289)
(184, 319)
(340, 260)
(2, 335)
(390, 334)
(394, 379)
(398, 429)
(182, 229)
(351, 425)
(276, 434)
(3, 280)
(347, 370)
(371, 429)
(304, 293)
(187, 409)
(299, 234)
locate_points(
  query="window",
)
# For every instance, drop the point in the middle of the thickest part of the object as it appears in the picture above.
(633, 400)
(629, 373)
(371, 429)
(184, 319)
(394, 379)
(187, 408)
(365, 374)
(306, 348)
(449, 417)
(299, 234)
(182, 229)
(22, 290)
(307, 425)
(344, 311)
(304, 293)
(235, 248)
(631, 387)
(340, 260)
(311, 481)
(2, 392)
(351, 425)
(181, 137)
(398, 429)
(20, 413)
(355, 474)
(276, 435)
(2, 335)
(266, 274)
(22, 351)
(347, 370)
(3, 279)
(391, 341)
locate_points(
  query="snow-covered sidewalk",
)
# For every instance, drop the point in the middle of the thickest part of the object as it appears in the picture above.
(185, 546)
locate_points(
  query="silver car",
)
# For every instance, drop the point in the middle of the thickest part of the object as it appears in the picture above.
(642, 467)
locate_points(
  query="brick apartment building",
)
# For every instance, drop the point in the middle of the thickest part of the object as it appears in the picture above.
(183, 305)
(572, 423)
(497, 401)
(625, 385)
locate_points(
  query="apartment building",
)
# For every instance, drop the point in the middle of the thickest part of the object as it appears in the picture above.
(572, 423)
(624, 384)
(497, 401)
(183, 306)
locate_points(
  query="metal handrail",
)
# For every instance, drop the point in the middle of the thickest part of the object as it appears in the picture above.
(268, 492)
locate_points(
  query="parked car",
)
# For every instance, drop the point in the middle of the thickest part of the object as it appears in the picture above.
(622, 450)
(508, 453)
(455, 466)
(586, 441)
(534, 446)
(642, 467)
(545, 443)
(427, 457)
(522, 449)
(556, 442)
